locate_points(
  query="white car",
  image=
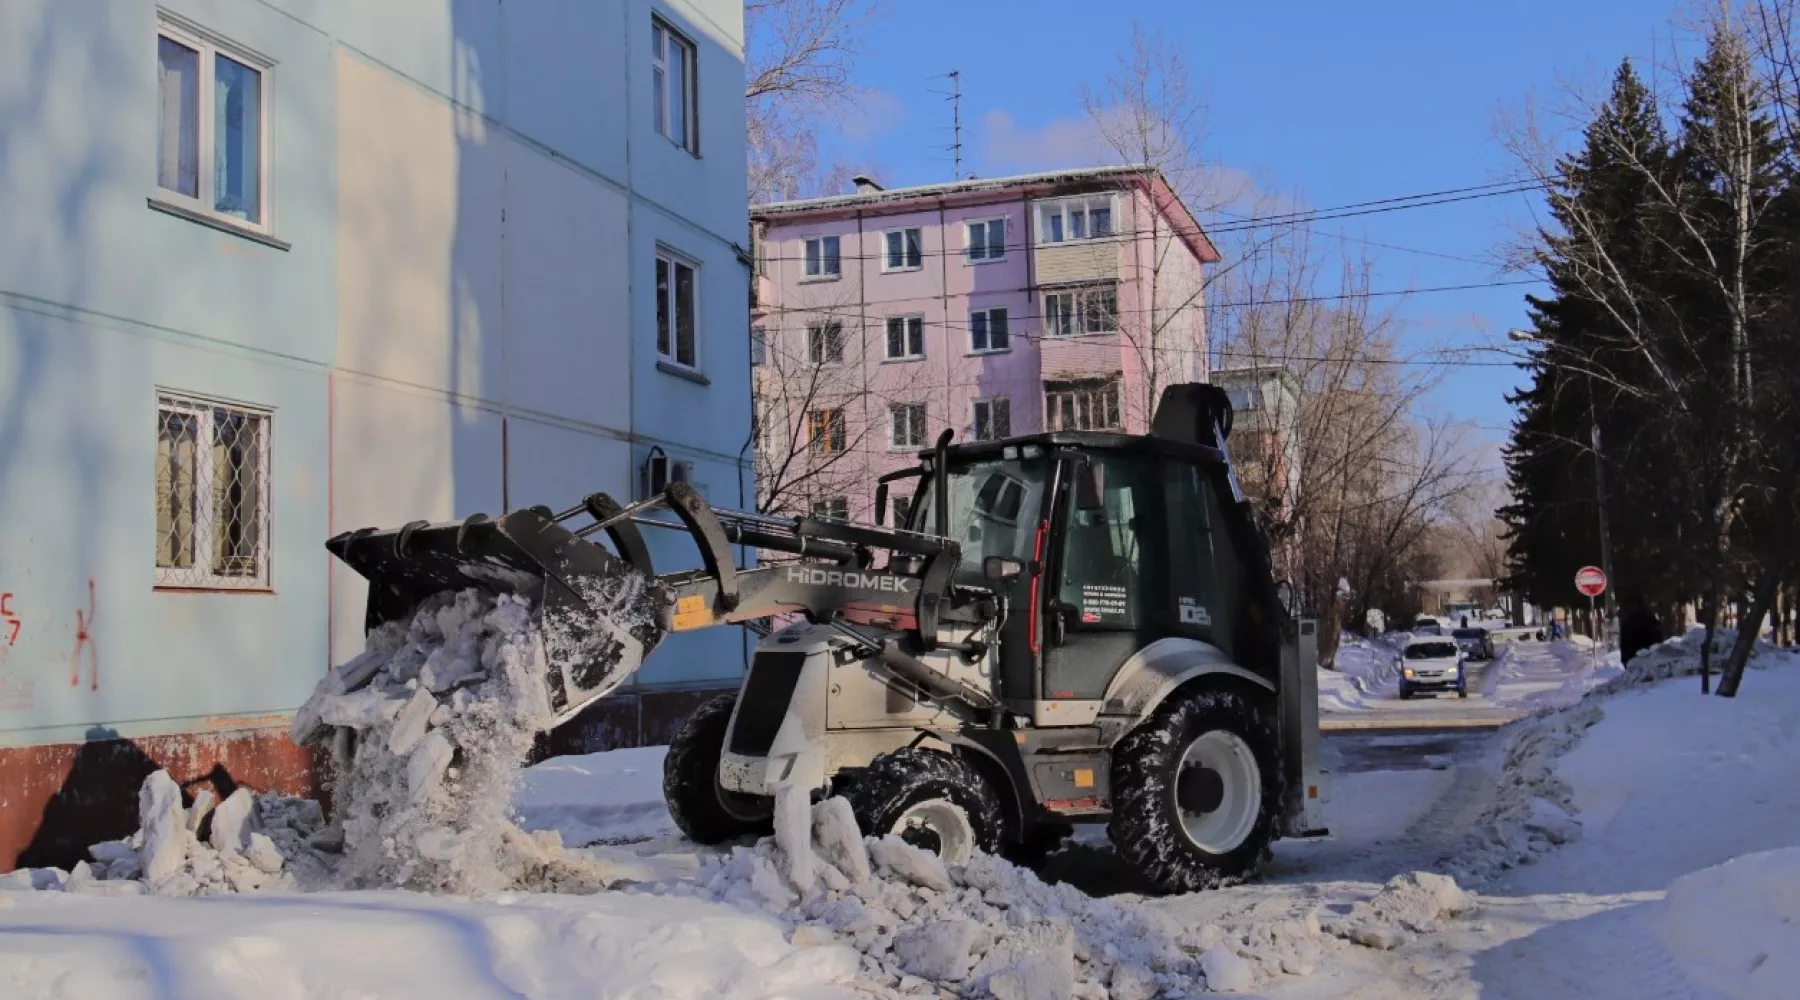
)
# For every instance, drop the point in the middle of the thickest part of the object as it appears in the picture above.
(1427, 625)
(1432, 665)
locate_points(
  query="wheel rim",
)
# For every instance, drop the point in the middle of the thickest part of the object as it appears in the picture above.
(1225, 827)
(939, 826)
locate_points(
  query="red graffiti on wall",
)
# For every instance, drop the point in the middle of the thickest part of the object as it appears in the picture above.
(8, 620)
(84, 642)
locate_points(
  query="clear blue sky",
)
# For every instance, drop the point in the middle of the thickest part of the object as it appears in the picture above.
(1334, 101)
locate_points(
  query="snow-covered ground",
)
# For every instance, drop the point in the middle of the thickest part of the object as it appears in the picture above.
(1644, 842)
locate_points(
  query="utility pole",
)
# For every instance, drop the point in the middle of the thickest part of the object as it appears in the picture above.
(956, 124)
(1606, 564)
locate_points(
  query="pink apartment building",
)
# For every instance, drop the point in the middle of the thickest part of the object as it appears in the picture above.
(994, 307)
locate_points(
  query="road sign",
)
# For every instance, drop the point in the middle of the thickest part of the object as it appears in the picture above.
(1590, 580)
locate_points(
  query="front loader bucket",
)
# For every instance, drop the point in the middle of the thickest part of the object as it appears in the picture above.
(600, 616)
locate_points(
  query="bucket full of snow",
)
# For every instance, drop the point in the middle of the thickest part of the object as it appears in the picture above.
(599, 616)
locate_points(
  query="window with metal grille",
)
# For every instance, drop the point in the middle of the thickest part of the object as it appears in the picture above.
(1088, 309)
(825, 343)
(908, 425)
(905, 337)
(993, 419)
(825, 429)
(212, 495)
(1091, 405)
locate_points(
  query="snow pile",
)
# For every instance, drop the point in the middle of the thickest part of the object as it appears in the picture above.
(1363, 669)
(431, 724)
(1680, 657)
(245, 843)
(1533, 809)
(1415, 903)
(984, 929)
(1732, 928)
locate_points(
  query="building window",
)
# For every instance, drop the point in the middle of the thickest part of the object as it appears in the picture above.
(768, 429)
(987, 240)
(825, 430)
(672, 86)
(905, 337)
(902, 510)
(1244, 397)
(825, 343)
(1091, 405)
(908, 425)
(675, 325)
(212, 116)
(822, 259)
(903, 250)
(831, 508)
(759, 345)
(1073, 219)
(993, 419)
(212, 495)
(1088, 309)
(987, 331)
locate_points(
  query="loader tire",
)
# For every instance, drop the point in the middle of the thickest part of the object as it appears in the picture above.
(1208, 824)
(705, 812)
(929, 799)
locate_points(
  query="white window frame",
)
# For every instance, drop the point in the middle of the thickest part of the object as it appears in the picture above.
(209, 47)
(901, 231)
(1093, 389)
(816, 358)
(1081, 302)
(675, 259)
(911, 323)
(659, 63)
(975, 417)
(834, 508)
(988, 254)
(988, 320)
(806, 246)
(201, 575)
(1059, 209)
(908, 441)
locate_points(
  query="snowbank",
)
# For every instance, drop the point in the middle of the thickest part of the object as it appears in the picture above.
(1733, 928)
(611, 797)
(1549, 795)
(1365, 671)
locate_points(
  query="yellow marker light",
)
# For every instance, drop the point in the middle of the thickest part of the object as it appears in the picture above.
(1084, 778)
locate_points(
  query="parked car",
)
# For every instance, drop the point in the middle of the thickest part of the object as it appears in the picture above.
(1435, 665)
(1476, 643)
(1427, 625)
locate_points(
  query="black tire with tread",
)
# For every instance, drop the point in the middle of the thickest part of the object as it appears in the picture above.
(1146, 827)
(691, 781)
(894, 782)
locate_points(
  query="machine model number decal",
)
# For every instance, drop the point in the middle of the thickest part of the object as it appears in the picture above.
(1194, 613)
(843, 578)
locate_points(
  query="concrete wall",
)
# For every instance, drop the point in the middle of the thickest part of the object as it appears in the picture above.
(450, 311)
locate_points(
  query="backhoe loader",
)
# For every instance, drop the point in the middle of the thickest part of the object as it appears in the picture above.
(1065, 627)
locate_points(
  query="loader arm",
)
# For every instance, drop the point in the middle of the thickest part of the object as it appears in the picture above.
(603, 612)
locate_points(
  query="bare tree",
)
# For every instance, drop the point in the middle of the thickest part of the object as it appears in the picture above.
(797, 65)
(808, 427)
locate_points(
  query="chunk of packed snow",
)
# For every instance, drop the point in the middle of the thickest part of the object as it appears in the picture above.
(1225, 971)
(921, 868)
(793, 835)
(839, 841)
(164, 828)
(231, 827)
(1733, 928)
(1414, 903)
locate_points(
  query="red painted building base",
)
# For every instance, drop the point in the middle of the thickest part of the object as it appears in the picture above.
(57, 799)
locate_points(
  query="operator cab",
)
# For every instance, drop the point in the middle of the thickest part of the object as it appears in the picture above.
(1100, 544)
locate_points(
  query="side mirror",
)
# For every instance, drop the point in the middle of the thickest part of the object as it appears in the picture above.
(1090, 486)
(881, 504)
(998, 568)
(1284, 592)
